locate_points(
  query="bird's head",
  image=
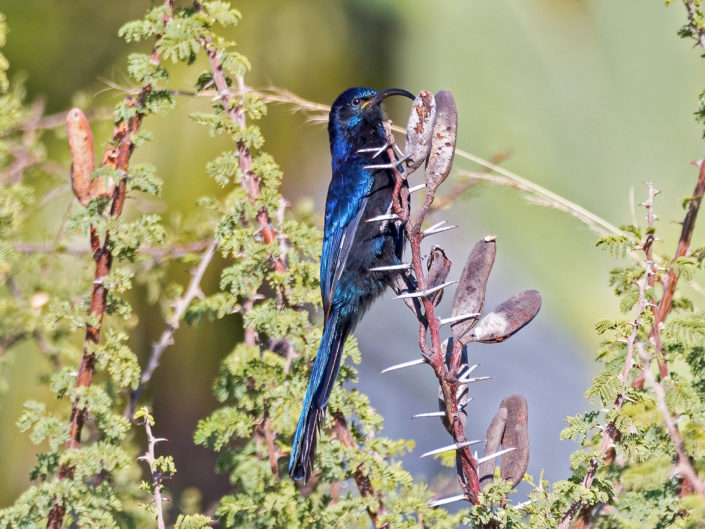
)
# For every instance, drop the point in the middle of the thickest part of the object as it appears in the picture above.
(358, 108)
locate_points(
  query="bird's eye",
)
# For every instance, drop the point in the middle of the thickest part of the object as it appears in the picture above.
(356, 101)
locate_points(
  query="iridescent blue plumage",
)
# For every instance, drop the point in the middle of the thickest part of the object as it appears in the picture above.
(351, 247)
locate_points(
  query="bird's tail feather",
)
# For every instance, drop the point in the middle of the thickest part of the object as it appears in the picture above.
(325, 371)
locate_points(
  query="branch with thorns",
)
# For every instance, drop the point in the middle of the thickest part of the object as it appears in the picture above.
(431, 134)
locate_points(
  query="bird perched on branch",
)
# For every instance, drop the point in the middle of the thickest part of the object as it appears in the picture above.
(360, 235)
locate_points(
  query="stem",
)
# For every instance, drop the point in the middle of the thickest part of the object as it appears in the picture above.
(117, 156)
(429, 324)
(610, 434)
(250, 181)
(364, 486)
(683, 464)
(671, 280)
(167, 337)
(157, 477)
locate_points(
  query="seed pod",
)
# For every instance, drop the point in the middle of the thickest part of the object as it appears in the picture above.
(438, 266)
(419, 130)
(80, 138)
(507, 318)
(470, 294)
(485, 470)
(445, 131)
(516, 435)
(510, 428)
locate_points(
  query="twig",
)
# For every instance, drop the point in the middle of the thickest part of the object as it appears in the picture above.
(683, 464)
(693, 22)
(158, 253)
(156, 475)
(117, 156)
(364, 486)
(167, 337)
(429, 324)
(671, 280)
(609, 431)
(236, 112)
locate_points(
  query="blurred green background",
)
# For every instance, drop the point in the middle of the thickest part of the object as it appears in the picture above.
(591, 98)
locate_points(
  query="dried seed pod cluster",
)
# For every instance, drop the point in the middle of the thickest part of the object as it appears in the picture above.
(431, 137)
(80, 138)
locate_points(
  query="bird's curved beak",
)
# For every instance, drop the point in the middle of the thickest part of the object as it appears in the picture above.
(384, 94)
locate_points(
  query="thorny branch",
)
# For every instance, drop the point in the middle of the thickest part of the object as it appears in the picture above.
(694, 23)
(429, 325)
(342, 432)
(671, 280)
(156, 475)
(683, 465)
(251, 183)
(610, 434)
(117, 156)
(167, 337)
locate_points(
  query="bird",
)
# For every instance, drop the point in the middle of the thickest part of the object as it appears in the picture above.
(361, 189)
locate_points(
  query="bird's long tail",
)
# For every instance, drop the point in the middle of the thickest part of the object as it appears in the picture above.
(325, 371)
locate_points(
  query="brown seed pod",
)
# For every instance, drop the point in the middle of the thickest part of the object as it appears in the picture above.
(470, 294)
(510, 428)
(80, 138)
(445, 131)
(419, 130)
(438, 266)
(507, 318)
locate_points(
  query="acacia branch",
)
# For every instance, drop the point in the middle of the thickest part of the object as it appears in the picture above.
(610, 434)
(671, 280)
(236, 112)
(173, 322)
(117, 156)
(429, 326)
(362, 481)
(155, 474)
(695, 22)
(683, 464)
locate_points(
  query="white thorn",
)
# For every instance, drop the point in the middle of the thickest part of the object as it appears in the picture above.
(391, 165)
(436, 225)
(389, 216)
(416, 362)
(492, 456)
(464, 380)
(450, 448)
(424, 292)
(470, 369)
(403, 266)
(376, 150)
(461, 317)
(439, 230)
(419, 187)
(429, 414)
(445, 501)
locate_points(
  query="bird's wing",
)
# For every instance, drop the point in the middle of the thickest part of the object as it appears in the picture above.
(342, 220)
